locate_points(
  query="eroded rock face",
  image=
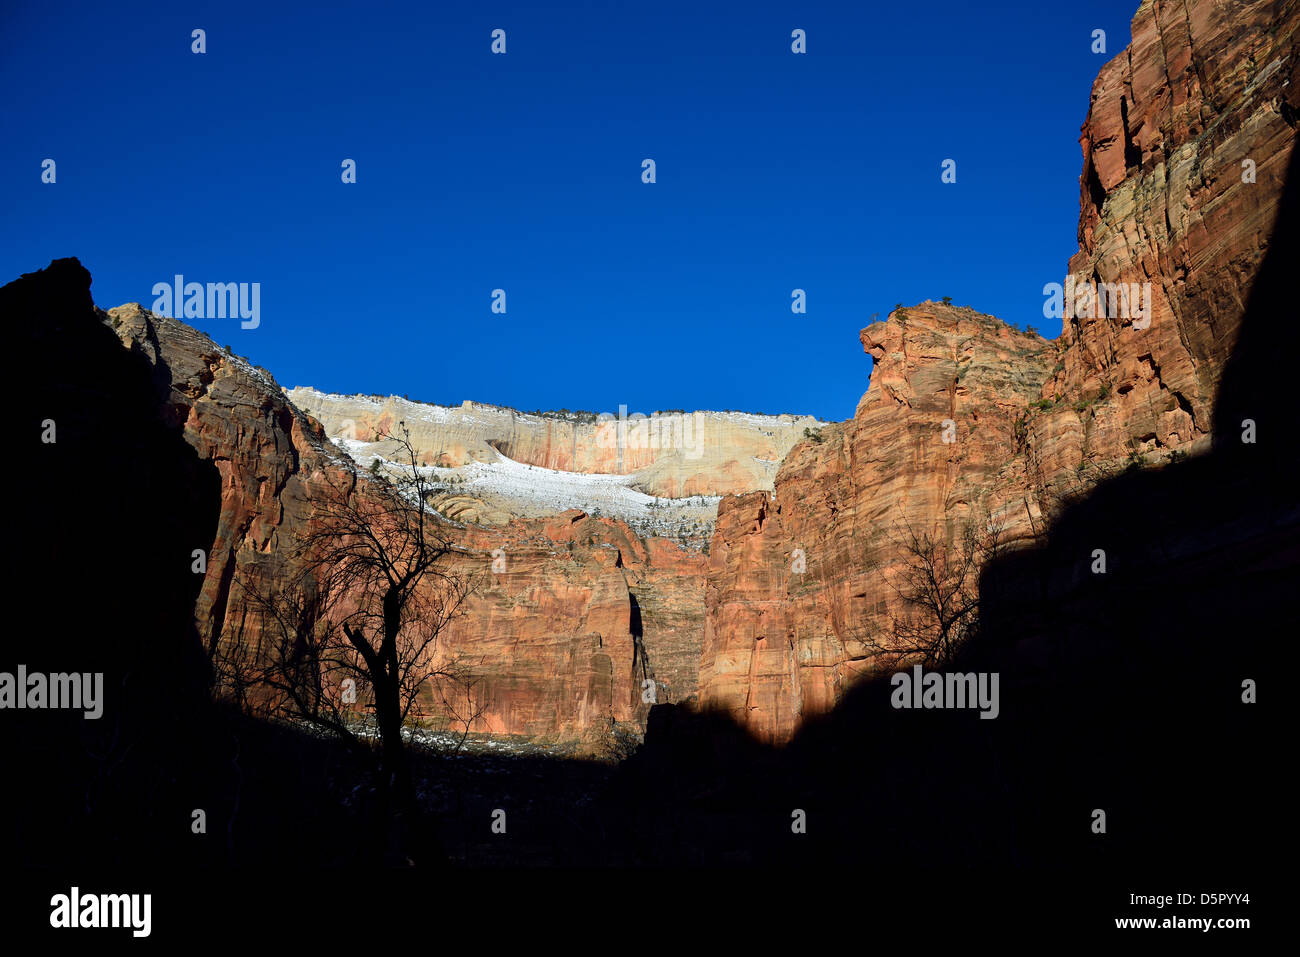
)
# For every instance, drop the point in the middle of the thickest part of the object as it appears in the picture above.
(1203, 87)
(1185, 151)
(577, 620)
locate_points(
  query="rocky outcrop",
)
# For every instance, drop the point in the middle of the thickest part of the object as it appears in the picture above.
(1166, 199)
(796, 577)
(266, 452)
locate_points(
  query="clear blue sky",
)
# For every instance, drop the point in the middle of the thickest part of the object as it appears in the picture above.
(775, 171)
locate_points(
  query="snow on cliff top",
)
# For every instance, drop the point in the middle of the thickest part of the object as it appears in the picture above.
(431, 412)
(531, 491)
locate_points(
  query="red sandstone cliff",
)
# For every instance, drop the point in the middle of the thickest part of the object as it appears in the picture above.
(552, 638)
(1185, 149)
(780, 643)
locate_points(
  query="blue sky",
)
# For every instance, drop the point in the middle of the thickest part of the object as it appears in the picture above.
(476, 171)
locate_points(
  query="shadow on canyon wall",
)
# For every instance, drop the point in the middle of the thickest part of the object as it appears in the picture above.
(1119, 692)
(103, 537)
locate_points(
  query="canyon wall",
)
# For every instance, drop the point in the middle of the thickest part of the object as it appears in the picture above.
(967, 424)
(1033, 425)
(1185, 151)
(577, 621)
(549, 634)
(671, 455)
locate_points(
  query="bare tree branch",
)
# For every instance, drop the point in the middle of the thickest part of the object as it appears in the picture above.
(347, 621)
(936, 583)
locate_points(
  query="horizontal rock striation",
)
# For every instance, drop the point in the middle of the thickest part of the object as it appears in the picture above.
(673, 455)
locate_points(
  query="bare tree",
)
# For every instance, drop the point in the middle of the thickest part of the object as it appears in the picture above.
(348, 622)
(936, 583)
(381, 558)
(285, 659)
